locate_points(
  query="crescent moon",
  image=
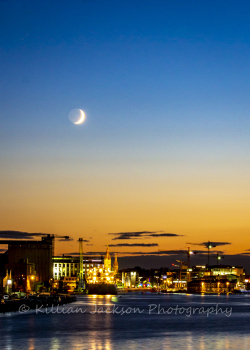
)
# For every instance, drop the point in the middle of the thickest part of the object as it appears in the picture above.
(81, 120)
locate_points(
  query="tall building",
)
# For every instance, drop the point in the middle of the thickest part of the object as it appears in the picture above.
(107, 260)
(39, 253)
(3, 272)
(115, 265)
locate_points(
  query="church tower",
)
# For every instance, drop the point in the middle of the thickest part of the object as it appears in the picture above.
(115, 265)
(107, 260)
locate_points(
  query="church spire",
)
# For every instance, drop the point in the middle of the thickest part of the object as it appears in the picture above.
(107, 260)
(107, 256)
(115, 265)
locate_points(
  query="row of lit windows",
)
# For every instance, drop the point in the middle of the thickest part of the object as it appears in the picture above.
(64, 265)
(63, 274)
(60, 270)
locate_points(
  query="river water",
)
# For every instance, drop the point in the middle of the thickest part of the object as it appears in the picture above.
(132, 321)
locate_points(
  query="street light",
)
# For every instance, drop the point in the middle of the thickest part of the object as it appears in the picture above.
(209, 246)
(157, 277)
(189, 252)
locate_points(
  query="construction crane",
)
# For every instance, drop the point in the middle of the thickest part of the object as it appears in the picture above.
(81, 285)
(188, 252)
(208, 245)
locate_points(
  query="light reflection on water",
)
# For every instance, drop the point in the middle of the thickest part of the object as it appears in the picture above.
(97, 300)
(131, 331)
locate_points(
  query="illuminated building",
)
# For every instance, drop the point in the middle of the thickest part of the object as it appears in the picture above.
(68, 266)
(225, 270)
(107, 260)
(211, 284)
(66, 271)
(130, 278)
(218, 271)
(104, 275)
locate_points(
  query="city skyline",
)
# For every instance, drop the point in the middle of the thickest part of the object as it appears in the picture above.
(162, 158)
(203, 253)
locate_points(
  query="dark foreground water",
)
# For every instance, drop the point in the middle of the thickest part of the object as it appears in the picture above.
(132, 321)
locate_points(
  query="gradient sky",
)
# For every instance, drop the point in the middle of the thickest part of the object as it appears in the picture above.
(165, 145)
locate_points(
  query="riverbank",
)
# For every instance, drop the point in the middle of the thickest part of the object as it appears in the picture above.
(33, 302)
